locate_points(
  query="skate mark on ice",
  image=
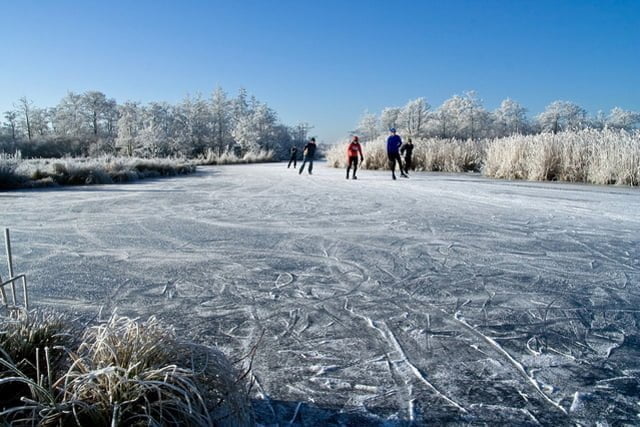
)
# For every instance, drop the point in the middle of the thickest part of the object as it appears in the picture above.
(519, 368)
(391, 341)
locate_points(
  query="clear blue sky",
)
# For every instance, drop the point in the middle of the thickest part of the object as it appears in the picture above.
(325, 61)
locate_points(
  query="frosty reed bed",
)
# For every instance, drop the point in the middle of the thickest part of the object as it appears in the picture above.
(450, 155)
(229, 158)
(592, 156)
(16, 172)
(120, 372)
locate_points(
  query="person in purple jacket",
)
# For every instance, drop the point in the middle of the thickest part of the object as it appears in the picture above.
(394, 142)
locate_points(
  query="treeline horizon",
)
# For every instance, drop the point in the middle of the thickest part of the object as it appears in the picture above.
(464, 117)
(92, 124)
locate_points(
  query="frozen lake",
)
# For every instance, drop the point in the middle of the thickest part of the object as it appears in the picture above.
(445, 298)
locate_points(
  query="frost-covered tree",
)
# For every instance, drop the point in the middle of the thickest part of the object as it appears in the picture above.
(446, 120)
(562, 115)
(598, 121)
(255, 129)
(12, 123)
(240, 106)
(510, 118)
(368, 126)
(156, 136)
(300, 132)
(389, 118)
(129, 126)
(69, 117)
(245, 135)
(264, 119)
(97, 110)
(622, 119)
(474, 120)
(40, 122)
(198, 123)
(221, 125)
(413, 117)
(460, 117)
(24, 107)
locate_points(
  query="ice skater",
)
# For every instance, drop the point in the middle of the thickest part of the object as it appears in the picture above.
(294, 156)
(309, 151)
(407, 150)
(394, 142)
(352, 156)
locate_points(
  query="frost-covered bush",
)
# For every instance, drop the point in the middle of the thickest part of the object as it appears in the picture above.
(9, 177)
(86, 171)
(445, 155)
(593, 156)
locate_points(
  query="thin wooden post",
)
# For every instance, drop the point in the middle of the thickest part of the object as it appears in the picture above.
(3, 295)
(26, 295)
(7, 242)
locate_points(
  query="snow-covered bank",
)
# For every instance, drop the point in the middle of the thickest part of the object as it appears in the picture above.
(442, 298)
(29, 173)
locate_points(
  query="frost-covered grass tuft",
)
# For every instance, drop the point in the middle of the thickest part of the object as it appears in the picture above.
(122, 372)
(593, 156)
(445, 155)
(85, 171)
(24, 336)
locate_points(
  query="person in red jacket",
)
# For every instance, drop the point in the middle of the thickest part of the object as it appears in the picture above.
(352, 156)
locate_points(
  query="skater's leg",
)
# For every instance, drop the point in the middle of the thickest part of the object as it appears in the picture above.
(398, 159)
(310, 165)
(392, 165)
(302, 167)
(355, 167)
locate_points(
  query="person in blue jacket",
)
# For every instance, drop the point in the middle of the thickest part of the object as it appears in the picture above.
(394, 142)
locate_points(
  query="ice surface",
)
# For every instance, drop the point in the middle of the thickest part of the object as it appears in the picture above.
(445, 298)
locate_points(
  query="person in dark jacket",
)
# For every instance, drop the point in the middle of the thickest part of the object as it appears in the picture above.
(294, 156)
(309, 151)
(352, 156)
(394, 142)
(407, 150)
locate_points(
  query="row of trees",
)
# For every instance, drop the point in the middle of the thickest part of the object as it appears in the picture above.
(91, 123)
(464, 117)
